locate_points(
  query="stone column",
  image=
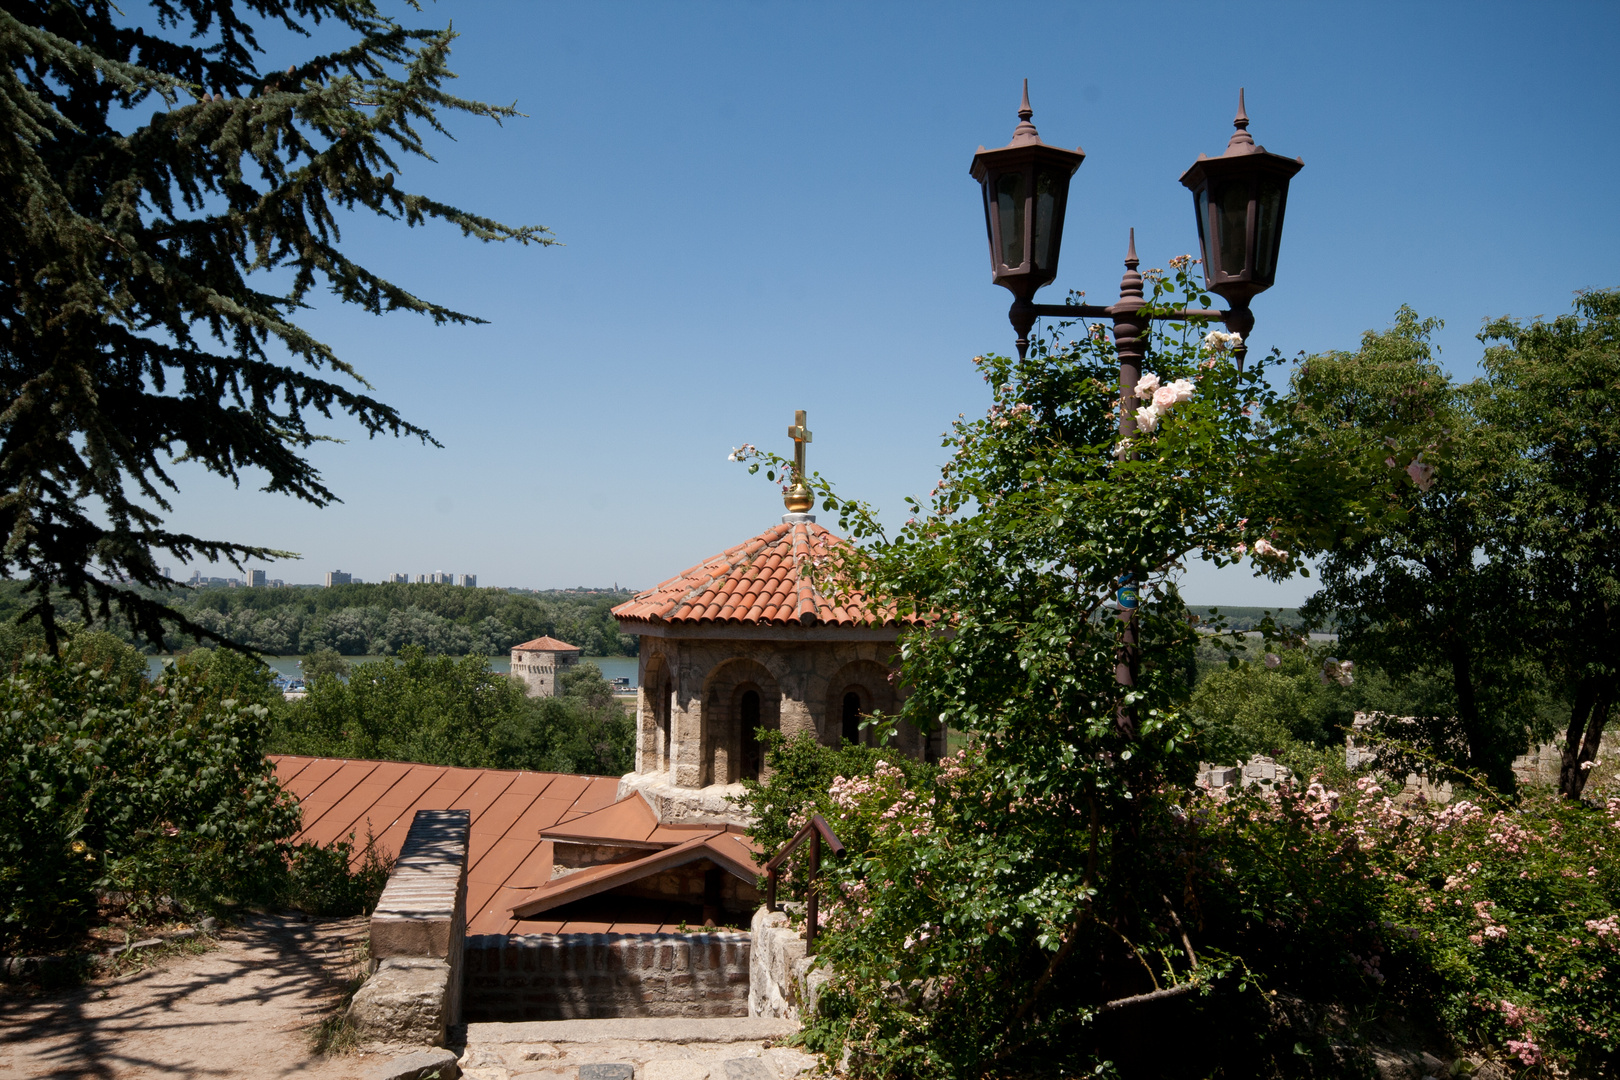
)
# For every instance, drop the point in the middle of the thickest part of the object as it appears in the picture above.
(686, 724)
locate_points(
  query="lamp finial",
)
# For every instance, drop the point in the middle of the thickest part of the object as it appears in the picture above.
(1024, 133)
(1241, 141)
(1130, 283)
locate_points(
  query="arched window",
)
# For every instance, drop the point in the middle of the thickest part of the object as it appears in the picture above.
(852, 717)
(748, 715)
(665, 690)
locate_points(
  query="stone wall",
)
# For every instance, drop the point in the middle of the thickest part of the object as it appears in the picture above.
(1543, 764)
(691, 746)
(581, 976)
(781, 983)
(418, 931)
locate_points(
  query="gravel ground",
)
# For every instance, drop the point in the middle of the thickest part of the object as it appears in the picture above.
(244, 1009)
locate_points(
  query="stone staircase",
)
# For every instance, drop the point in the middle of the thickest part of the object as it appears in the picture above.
(712, 1048)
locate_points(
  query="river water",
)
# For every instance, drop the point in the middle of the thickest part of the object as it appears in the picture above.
(613, 667)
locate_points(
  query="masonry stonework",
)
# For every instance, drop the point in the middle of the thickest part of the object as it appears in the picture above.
(694, 712)
(538, 663)
(582, 976)
(418, 930)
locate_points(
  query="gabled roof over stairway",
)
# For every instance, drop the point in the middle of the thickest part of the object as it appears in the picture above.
(631, 825)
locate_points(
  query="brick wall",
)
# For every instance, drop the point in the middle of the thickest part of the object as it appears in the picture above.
(573, 976)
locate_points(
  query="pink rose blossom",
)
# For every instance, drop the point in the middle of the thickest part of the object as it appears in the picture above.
(1422, 475)
(1146, 385)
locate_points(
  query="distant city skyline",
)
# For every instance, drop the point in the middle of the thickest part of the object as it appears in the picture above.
(720, 266)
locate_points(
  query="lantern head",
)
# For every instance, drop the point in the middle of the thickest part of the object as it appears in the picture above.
(1026, 189)
(1240, 198)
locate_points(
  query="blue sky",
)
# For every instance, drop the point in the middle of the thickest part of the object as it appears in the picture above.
(766, 206)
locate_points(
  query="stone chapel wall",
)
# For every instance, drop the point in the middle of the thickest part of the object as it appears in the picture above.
(690, 718)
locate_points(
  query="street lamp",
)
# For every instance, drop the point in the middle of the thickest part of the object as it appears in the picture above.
(1240, 198)
(1026, 191)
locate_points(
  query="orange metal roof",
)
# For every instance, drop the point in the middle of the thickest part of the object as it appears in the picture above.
(763, 581)
(547, 643)
(507, 857)
(630, 823)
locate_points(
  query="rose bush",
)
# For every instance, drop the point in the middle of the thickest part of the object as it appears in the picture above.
(1311, 912)
(1002, 913)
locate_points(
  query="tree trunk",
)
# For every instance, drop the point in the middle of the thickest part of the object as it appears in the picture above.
(1582, 739)
(1482, 755)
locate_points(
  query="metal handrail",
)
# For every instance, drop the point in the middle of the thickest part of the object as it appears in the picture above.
(815, 830)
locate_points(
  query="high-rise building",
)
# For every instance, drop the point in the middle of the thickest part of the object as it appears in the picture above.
(469, 581)
(399, 579)
(338, 577)
(255, 579)
(442, 578)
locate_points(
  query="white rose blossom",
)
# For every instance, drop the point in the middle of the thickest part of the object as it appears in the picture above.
(1266, 548)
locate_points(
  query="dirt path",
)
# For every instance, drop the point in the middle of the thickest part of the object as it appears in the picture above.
(243, 1010)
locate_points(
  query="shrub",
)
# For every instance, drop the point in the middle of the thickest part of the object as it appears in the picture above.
(1310, 913)
(162, 791)
(332, 881)
(1285, 712)
(804, 777)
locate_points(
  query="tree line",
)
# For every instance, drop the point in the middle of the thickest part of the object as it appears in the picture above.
(380, 620)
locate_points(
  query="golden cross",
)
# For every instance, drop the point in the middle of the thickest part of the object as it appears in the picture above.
(800, 435)
(798, 498)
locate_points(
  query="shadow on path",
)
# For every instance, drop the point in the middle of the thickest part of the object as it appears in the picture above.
(242, 1010)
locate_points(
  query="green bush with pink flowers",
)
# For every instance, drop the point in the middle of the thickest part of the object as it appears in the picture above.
(1316, 920)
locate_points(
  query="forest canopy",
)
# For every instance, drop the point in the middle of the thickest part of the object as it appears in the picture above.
(382, 620)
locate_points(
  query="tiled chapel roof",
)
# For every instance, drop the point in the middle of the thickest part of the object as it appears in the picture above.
(547, 644)
(763, 582)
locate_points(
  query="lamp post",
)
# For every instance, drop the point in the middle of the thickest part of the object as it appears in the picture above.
(1240, 199)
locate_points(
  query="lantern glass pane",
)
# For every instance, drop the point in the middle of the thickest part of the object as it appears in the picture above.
(1047, 182)
(1010, 191)
(1268, 210)
(1232, 202)
(1201, 198)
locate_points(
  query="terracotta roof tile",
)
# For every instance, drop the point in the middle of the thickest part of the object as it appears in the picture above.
(762, 581)
(548, 644)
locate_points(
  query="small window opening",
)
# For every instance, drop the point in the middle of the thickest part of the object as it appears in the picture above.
(852, 717)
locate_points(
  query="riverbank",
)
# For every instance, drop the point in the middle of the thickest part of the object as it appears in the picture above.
(613, 667)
